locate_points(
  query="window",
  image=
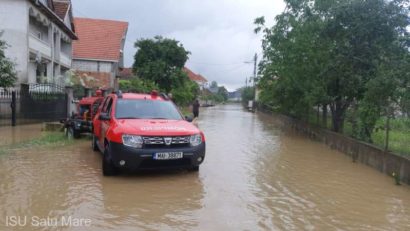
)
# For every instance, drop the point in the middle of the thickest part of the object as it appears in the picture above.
(107, 105)
(146, 109)
(38, 35)
(103, 105)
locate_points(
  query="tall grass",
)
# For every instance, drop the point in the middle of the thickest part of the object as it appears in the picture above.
(399, 133)
(45, 139)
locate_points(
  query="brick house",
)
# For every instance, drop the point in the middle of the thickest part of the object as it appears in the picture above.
(98, 54)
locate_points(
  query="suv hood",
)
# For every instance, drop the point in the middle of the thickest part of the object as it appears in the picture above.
(157, 127)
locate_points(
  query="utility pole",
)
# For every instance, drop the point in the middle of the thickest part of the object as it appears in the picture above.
(255, 63)
(255, 60)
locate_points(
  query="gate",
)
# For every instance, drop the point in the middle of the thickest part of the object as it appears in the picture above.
(33, 103)
(42, 103)
(8, 100)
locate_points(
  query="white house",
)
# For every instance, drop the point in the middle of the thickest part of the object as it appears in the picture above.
(39, 34)
(197, 78)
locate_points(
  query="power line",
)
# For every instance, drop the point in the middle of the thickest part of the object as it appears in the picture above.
(215, 64)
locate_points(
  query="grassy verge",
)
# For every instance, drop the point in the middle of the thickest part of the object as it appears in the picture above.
(46, 139)
(399, 135)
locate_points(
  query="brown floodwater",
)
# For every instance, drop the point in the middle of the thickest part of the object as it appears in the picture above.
(255, 177)
(13, 135)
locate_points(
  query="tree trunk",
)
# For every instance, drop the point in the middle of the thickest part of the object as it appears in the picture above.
(338, 111)
(337, 122)
(324, 115)
(386, 142)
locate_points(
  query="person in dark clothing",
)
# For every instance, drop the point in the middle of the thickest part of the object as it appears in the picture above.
(195, 108)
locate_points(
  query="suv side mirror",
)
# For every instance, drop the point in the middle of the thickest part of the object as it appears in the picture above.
(188, 118)
(104, 116)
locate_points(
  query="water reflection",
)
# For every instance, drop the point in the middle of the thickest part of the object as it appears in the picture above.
(255, 177)
(153, 200)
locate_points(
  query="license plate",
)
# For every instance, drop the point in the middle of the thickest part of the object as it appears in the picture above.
(168, 155)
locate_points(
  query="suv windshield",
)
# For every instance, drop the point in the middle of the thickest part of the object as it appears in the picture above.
(146, 109)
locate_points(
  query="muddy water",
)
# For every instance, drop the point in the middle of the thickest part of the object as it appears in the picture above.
(255, 177)
(12, 135)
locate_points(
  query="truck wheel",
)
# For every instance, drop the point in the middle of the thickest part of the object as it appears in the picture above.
(108, 168)
(72, 133)
(94, 144)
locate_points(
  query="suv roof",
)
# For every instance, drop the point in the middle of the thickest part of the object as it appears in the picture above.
(152, 96)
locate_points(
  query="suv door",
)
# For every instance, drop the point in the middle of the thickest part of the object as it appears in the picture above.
(105, 124)
(97, 121)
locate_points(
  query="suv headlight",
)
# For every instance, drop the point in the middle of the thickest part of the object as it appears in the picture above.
(132, 141)
(195, 140)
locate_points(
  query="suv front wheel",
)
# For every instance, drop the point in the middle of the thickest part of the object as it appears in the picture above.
(94, 143)
(108, 167)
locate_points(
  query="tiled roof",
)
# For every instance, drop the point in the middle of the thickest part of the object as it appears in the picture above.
(194, 77)
(125, 73)
(101, 80)
(99, 39)
(60, 8)
(201, 78)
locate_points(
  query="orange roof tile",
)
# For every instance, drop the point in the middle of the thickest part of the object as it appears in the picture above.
(60, 8)
(125, 73)
(201, 78)
(98, 39)
(194, 77)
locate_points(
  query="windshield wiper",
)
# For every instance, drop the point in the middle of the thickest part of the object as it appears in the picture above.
(159, 118)
(125, 118)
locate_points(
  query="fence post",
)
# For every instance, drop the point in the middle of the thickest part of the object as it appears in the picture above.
(70, 97)
(387, 127)
(13, 108)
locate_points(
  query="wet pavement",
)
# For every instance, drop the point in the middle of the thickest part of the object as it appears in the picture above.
(255, 177)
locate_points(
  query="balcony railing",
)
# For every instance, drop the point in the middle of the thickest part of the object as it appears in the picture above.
(39, 45)
(65, 60)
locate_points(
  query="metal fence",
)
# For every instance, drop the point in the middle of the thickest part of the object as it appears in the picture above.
(6, 106)
(32, 103)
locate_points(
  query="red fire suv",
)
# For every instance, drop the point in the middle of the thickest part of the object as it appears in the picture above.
(145, 131)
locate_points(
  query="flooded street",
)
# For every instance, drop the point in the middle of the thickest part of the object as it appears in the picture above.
(13, 135)
(255, 177)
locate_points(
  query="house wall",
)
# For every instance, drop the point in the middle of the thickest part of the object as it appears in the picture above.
(97, 66)
(14, 19)
(21, 32)
(94, 66)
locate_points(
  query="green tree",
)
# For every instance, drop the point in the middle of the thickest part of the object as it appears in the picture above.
(223, 93)
(185, 94)
(247, 94)
(161, 60)
(214, 84)
(8, 74)
(334, 53)
(137, 85)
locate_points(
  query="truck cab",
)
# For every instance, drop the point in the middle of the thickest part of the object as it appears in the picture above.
(81, 122)
(145, 131)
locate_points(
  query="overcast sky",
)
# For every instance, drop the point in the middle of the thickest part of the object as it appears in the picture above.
(218, 33)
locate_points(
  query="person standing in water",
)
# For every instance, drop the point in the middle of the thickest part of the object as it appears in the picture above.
(195, 108)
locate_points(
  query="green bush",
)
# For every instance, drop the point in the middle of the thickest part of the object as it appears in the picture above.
(137, 85)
